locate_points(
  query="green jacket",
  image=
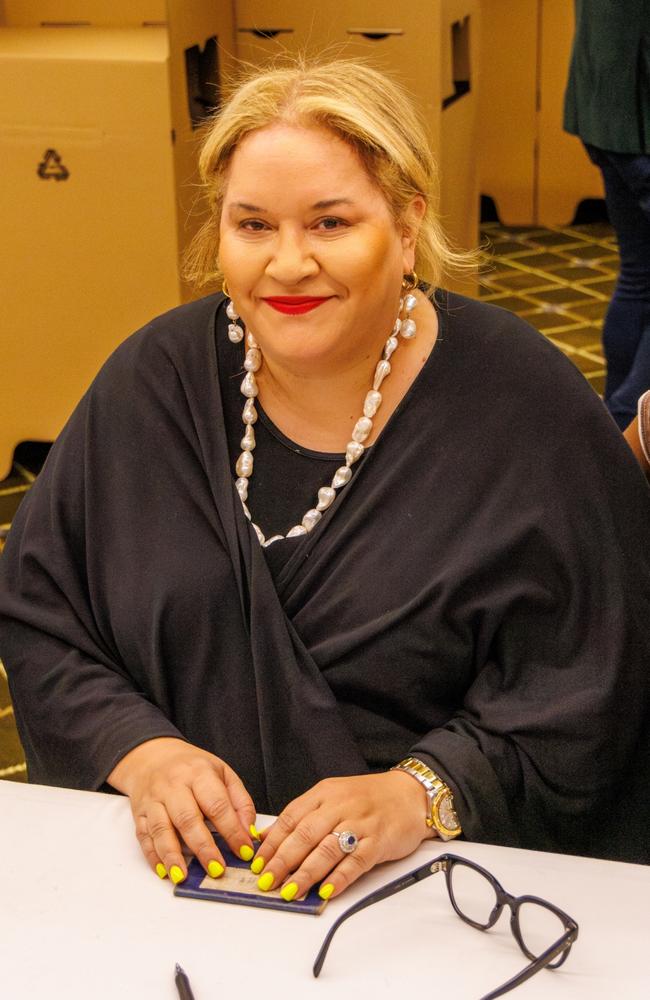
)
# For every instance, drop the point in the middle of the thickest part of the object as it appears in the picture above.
(607, 101)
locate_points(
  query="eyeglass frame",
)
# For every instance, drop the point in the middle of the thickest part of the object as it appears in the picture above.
(446, 863)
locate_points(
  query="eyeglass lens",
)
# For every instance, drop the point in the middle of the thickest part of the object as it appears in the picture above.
(476, 899)
(540, 928)
(473, 894)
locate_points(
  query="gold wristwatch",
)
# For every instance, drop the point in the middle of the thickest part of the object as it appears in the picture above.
(442, 814)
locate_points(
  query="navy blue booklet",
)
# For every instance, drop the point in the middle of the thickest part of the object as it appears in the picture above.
(238, 884)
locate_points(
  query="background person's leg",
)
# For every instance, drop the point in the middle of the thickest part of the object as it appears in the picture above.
(626, 331)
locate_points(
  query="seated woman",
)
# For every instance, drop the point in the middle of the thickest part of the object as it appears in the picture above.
(330, 522)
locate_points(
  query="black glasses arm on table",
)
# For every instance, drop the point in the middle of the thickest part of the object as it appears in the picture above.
(479, 898)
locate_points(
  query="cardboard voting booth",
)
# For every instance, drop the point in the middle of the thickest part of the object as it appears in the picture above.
(97, 141)
(536, 173)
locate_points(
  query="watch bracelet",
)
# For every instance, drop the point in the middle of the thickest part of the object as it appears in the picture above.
(435, 788)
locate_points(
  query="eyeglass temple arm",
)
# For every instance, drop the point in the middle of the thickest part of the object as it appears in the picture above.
(540, 962)
(375, 897)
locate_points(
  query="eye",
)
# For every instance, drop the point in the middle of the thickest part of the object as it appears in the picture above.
(252, 225)
(331, 223)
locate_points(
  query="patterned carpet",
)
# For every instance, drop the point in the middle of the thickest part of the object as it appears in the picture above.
(560, 280)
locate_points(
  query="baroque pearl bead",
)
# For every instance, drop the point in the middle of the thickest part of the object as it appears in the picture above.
(249, 386)
(298, 529)
(381, 371)
(249, 416)
(242, 488)
(372, 403)
(408, 329)
(251, 342)
(253, 360)
(362, 429)
(259, 533)
(311, 518)
(390, 347)
(244, 466)
(231, 312)
(325, 497)
(410, 302)
(235, 333)
(274, 538)
(353, 452)
(248, 440)
(341, 477)
(247, 512)
(397, 327)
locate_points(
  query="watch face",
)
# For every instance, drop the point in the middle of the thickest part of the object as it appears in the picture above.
(447, 814)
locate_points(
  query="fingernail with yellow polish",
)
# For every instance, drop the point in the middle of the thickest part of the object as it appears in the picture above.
(215, 870)
(176, 874)
(246, 852)
(265, 881)
(253, 832)
(326, 891)
(161, 871)
(257, 866)
(289, 892)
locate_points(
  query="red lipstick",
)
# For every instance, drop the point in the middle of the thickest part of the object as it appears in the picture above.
(295, 305)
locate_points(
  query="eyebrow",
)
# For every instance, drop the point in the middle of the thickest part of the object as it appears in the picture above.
(319, 205)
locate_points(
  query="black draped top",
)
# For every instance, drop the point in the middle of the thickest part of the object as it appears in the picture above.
(478, 595)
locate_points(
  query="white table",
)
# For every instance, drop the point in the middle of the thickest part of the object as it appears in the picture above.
(81, 915)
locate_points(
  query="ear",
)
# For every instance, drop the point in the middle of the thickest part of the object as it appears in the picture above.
(411, 222)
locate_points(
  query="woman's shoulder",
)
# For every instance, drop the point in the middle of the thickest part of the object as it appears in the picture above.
(176, 329)
(500, 362)
(485, 321)
(484, 330)
(177, 342)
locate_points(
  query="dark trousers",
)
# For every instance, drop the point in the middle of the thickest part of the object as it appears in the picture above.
(626, 332)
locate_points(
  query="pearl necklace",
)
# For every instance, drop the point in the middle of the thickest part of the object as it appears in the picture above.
(404, 326)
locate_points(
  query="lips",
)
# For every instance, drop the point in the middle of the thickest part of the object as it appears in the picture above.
(295, 305)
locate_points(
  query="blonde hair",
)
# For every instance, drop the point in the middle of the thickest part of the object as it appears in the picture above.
(364, 108)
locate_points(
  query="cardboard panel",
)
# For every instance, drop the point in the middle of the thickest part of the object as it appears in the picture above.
(264, 29)
(87, 204)
(94, 239)
(536, 173)
(193, 27)
(507, 96)
(459, 193)
(566, 175)
(99, 13)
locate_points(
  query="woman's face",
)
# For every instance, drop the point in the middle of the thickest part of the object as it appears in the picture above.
(311, 253)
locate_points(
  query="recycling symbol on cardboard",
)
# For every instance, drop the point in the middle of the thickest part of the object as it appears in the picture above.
(52, 167)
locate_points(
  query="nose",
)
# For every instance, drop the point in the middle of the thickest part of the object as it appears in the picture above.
(291, 259)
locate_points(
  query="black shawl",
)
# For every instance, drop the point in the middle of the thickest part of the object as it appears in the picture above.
(479, 595)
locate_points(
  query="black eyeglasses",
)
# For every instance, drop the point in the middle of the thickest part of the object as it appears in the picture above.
(543, 932)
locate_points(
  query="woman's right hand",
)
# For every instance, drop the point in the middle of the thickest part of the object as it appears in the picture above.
(173, 787)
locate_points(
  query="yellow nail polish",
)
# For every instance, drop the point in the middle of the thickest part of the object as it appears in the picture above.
(257, 866)
(215, 870)
(265, 881)
(289, 892)
(176, 874)
(326, 891)
(246, 852)
(161, 871)
(253, 832)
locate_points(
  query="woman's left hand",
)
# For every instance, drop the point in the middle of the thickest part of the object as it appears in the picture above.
(386, 812)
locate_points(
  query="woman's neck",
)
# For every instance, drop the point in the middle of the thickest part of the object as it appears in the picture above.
(320, 411)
